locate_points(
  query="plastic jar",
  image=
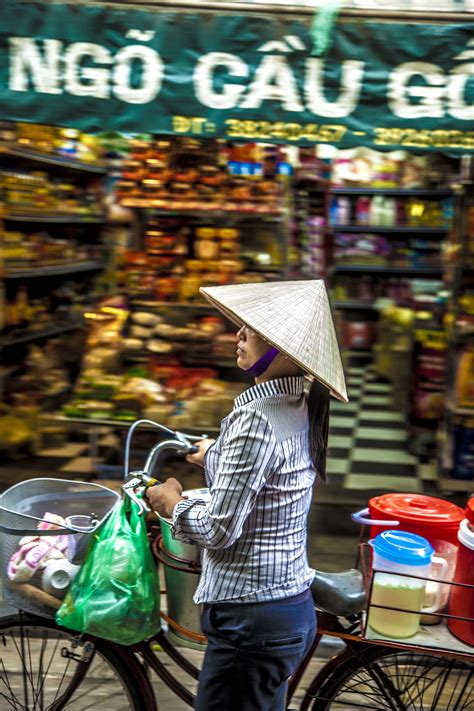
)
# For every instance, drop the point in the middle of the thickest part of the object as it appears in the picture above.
(400, 558)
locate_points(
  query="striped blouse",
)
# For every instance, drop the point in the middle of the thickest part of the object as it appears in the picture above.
(260, 476)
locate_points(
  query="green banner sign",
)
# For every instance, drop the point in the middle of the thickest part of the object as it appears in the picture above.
(385, 85)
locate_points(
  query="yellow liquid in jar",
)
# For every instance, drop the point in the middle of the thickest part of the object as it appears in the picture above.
(395, 591)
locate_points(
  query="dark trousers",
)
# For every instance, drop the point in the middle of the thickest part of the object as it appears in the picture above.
(253, 648)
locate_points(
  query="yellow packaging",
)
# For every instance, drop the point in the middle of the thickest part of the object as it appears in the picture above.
(206, 233)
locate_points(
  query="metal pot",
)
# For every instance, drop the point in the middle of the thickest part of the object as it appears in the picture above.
(181, 563)
(178, 549)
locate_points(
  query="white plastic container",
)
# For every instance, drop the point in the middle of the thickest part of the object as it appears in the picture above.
(401, 563)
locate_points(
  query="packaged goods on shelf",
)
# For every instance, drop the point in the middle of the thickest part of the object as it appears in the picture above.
(27, 313)
(388, 171)
(38, 192)
(464, 384)
(40, 249)
(181, 254)
(18, 426)
(313, 247)
(138, 364)
(361, 249)
(191, 342)
(175, 395)
(429, 374)
(386, 211)
(187, 174)
(66, 142)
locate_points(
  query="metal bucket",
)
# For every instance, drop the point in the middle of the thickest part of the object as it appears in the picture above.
(182, 568)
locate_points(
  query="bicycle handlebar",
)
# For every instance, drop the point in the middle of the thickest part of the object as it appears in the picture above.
(136, 483)
(160, 448)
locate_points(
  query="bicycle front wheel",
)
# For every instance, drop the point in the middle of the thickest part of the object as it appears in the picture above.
(42, 667)
(381, 678)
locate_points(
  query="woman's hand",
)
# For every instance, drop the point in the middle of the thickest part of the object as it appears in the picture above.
(202, 445)
(164, 497)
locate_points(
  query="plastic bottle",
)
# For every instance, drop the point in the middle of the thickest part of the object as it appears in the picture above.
(363, 211)
(333, 211)
(388, 212)
(343, 211)
(376, 210)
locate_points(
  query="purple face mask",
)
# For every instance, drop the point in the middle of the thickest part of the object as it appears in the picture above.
(262, 363)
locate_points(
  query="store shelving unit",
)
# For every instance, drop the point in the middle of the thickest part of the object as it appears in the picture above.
(394, 192)
(387, 270)
(354, 306)
(42, 334)
(54, 270)
(16, 157)
(462, 278)
(205, 211)
(355, 309)
(395, 230)
(16, 154)
(54, 218)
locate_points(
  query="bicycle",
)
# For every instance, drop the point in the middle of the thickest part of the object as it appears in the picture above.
(45, 667)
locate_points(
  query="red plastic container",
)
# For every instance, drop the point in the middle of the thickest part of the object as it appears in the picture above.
(461, 601)
(432, 518)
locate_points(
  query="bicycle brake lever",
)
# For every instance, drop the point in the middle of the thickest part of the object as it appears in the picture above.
(135, 488)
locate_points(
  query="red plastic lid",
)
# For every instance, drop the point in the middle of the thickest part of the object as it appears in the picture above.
(470, 510)
(417, 508)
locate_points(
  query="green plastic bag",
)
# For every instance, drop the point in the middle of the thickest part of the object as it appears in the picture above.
(116, 594)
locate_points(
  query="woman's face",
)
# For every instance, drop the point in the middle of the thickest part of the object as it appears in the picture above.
(250, 347)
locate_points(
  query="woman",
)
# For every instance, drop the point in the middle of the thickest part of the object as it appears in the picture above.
(258, 613)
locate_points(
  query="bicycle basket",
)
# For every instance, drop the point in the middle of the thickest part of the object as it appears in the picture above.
(46, 526)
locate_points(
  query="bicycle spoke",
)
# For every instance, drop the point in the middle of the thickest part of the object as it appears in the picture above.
(35, 674)
(51, 659)
(14, 699)
(65, 671)
(379, 679)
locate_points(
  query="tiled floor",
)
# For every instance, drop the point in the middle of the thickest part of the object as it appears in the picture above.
(368, 441)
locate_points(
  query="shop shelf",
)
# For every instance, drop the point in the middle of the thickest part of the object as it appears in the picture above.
(449, 484)
(39, 272)
(395, 192)
(17, 153)
(358, 353)
(464, 337)
(57, 218)
(56, 417)
(149, 303)
(458, 410)
(387, 270)
(218, 213)
(395, 230)
(355, 305)
(39, 335)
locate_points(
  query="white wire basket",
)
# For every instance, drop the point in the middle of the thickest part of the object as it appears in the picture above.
(46, 526)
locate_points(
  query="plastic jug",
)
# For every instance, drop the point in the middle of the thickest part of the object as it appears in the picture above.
(397, 556)
(428, 516)
(461, 602)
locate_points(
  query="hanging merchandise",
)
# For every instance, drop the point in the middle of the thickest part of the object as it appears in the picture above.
(116, 594)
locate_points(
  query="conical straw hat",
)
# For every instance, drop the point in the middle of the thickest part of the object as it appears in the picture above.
(293, 316)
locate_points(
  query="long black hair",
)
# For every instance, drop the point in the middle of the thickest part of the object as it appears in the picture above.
(318, 413)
